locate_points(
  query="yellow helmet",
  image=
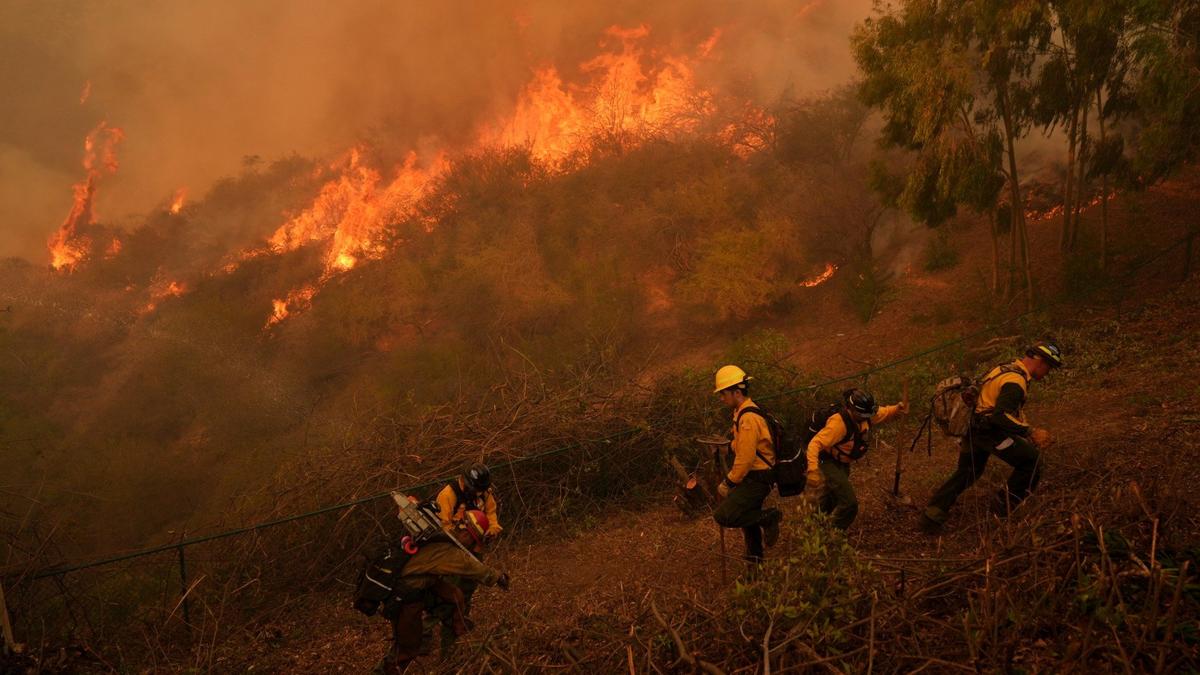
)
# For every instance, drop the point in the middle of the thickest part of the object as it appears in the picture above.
(730, 376)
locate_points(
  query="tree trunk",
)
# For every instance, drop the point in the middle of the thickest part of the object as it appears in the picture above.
(1014, 184)
(1064, 233)
(1011, 288)
(1103, 185)
(995, 252)
(1080, 183)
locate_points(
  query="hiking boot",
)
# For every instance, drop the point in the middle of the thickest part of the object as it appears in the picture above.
(770, 527)
(929, 525)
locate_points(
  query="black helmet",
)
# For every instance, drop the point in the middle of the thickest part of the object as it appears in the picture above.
(861, 402)
(477, 479)
(1046, 351)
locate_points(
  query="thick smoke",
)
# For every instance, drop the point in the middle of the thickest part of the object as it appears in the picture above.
(199, 86)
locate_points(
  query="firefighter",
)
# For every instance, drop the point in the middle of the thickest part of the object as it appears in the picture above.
(750, 479)
(998, 427)
(844, 439)
(424, 586)
(470, 491)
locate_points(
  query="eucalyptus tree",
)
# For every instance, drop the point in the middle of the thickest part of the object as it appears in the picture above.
(953, 83)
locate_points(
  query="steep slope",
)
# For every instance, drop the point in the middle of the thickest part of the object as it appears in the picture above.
(1124, 413)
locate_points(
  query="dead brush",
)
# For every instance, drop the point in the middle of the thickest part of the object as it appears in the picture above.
(1075, 580)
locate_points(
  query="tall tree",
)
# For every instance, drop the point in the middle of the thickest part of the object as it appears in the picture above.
(952, 80)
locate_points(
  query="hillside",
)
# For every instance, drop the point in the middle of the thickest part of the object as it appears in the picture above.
(987, 594)
(264, 264)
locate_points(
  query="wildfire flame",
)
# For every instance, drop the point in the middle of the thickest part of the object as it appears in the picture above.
(298, 299)
(352, 210)
(86, 92)
(821, 278)
(71, 244)
(178, 200)
(161, 290)
(628, 92)
(621, 97)
(1055, 211)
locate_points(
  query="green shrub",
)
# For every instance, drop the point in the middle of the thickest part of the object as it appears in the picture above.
(817, 587)
(940, 254)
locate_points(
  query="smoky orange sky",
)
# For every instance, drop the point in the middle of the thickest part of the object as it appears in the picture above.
(198, 86)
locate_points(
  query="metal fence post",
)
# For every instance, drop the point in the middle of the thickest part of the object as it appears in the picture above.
(183, 587)
(10, 643)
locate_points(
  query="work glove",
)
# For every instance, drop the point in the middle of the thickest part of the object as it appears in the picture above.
(723, 488)
(1041, 438)
(504, 581)
(813, 481)
(902, 407)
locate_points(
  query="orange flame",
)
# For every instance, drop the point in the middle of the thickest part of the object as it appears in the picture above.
(821, 278)
(71, 244)
(298, 299)
(622, 97)
(352, 210)
(629, 93)
(86, 92)
(178, 200)
(1055, 211)
(161, 290)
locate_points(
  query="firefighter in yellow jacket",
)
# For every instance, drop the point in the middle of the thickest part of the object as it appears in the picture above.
(844, 439)
(470, 491)
(751, 478)
(998, 427)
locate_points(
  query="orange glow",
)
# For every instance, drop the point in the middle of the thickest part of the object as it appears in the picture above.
(178, 200)
(161, 290)
(706, 47)
(114, 248)
(629, 92)
(86, 92)
(808, 8)
(752, 131)
(821, 278)
(1055, 211)
(353, 210)
(71, 244)
(299, 299)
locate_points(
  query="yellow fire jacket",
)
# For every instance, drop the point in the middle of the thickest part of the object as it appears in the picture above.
(451, 512)
(751, 438)
(829, 438)
(1002, 400)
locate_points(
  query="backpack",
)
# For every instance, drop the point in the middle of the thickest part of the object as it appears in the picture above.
(381, 574)
(790, 470)
(820, 417)
(952, 407)
(385, 562)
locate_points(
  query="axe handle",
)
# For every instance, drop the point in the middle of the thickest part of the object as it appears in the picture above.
(899, 468)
